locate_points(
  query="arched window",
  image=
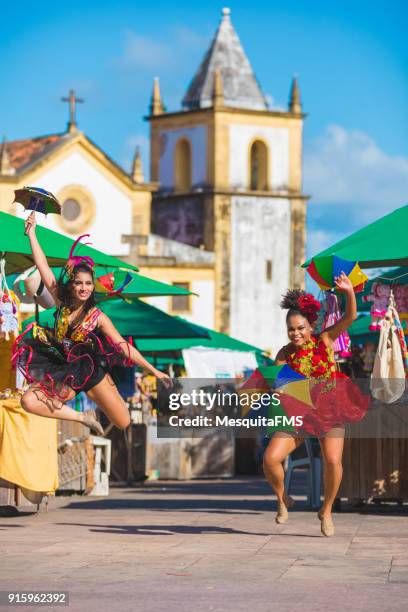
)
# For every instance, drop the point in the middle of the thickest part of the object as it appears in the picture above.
(258, 166)
(182, 165)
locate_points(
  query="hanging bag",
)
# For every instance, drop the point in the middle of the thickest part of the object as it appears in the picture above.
(8, 307)
(388, 376)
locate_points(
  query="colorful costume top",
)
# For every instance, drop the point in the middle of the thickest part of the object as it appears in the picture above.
(336, 399)
(65, 357)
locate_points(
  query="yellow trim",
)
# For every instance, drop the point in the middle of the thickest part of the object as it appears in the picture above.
(87, 206)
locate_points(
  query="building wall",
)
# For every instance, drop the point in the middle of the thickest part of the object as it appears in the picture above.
(201, 282)
(167, 141)
(260, 231)
(241, 138)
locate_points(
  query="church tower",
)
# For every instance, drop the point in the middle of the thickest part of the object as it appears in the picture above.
(229, 171)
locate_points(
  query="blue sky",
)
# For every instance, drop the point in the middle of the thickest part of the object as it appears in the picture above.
(349, 57)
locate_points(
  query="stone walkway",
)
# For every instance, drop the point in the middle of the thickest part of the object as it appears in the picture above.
(206, 545)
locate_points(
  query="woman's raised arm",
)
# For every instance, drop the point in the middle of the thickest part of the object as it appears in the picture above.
(40, 260)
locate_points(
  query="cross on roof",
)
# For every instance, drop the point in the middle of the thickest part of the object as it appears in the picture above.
(73, 100)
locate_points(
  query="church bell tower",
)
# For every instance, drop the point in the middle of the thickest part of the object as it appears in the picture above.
(229, 170)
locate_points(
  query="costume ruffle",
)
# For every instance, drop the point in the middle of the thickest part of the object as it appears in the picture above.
(59, 366)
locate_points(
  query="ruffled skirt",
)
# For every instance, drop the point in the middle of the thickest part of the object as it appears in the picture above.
(60, 367)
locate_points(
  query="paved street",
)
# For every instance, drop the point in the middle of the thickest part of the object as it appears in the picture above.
(206, 545)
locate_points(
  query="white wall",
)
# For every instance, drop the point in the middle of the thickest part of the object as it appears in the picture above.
(260, 231)
(198, 140)
(114, 209)
(277, 139)
(202, 304)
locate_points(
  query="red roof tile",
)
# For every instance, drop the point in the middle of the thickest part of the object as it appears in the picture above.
(24, 152)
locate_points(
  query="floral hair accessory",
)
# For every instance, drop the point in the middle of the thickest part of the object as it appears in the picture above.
(309, 306)
(75, 260)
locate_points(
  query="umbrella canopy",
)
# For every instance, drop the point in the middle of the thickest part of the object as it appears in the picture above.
(381, 243)
(16, 247)
(136, 319)
(215, 340)
(38, 199)
(324, 270)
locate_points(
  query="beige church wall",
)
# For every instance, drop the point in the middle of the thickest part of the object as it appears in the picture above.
(241, 138)
(197, 137)
(202, 283)
(112, 216)
(260, 231)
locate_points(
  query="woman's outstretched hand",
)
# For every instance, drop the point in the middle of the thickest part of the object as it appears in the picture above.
(30, 224)
(164, 378)
(343, 283)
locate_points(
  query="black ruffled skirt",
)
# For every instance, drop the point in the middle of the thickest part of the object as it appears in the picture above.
(58, 367)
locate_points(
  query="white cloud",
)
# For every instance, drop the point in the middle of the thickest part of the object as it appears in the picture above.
(149, 53)
(348, 167)
(320, 239)
(144, 52)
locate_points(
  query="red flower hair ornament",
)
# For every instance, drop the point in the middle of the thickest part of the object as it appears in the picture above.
(309, 307)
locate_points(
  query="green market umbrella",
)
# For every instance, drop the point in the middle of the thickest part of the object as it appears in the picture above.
(136, 319)
(138, 286)
(15, 247)
(360, 333)
(381, 243)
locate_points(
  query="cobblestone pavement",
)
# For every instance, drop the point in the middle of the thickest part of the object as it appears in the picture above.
(206, 545)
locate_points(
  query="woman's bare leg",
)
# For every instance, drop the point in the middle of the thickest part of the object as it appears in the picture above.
(107, 397)
(35, 401)
(280, 446)
(332, 450)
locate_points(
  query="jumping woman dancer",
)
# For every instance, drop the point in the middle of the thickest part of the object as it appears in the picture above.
(336, 399)
(78, 353)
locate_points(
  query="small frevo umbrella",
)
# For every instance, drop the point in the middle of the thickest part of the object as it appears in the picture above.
(37, 200)
(324, 270)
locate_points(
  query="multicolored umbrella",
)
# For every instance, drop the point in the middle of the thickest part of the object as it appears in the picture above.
(293, 389)
(325, 269)
(38, 199)
(112, 283)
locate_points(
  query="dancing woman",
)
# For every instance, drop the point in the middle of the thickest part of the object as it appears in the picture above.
(79, 352)
(336, 399)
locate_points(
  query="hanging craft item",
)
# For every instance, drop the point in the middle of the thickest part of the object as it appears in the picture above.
(401, 300)
(388, 376)
(30, 289)
(380, 295)
(324, 270)
(342, 344)
(8, 307)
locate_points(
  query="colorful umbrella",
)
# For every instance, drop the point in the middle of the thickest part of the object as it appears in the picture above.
(325, 269)
(112, 283)
(38, 199)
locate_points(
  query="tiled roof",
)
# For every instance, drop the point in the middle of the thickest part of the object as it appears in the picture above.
(240, 86)
(25, 152)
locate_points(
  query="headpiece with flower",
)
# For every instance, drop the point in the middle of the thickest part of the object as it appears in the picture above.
(304, 303)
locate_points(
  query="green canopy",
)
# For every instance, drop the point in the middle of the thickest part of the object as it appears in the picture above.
(139, 286)
(360, 333)
(215, 340)
(15, 246)
(398, 276)
(381, 243)
(136, 319)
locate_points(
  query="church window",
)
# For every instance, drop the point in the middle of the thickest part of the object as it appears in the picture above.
(181, 303)
(182, 165)
(71, 209)
(269, 270)
(258, 161)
